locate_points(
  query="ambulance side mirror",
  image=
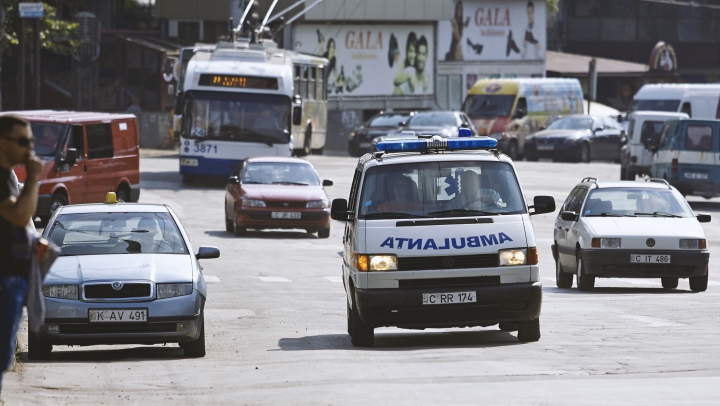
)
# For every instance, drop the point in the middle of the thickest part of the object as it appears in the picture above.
(703, 218)
(543, 204)
(339, 210)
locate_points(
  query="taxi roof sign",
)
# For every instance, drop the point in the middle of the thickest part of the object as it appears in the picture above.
(111, 198)
(437, 143)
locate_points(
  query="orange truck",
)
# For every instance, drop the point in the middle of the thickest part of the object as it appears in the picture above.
(85, 155)
(510, 110)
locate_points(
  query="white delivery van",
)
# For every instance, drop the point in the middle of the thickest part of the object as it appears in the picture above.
(438, 234)
(695, 100)
(644, 129)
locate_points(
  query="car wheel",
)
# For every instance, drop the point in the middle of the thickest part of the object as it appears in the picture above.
(324, 233)
(229, 224)
(508, 326)
(38, 350)
(699, 283)
(196, 349)
(318, 151)
(529, 331)
(305, 150)
(361, 334)
(669, 283)
(513, 150)
(584, 153)
(349, 318)
(584, 282)
(239, 231)
(122, 195)
(58, 200)
(563, 280)
(623, 173)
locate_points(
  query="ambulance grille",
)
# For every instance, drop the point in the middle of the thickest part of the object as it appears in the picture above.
(449, 262)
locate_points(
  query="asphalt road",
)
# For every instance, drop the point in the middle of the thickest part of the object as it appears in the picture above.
(276, 328)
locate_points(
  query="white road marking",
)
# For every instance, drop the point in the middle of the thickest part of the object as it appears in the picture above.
(652, 321)
(334, 279)
(273, 279)
(211, 279)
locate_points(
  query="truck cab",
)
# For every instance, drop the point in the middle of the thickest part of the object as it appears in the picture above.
(644, 130)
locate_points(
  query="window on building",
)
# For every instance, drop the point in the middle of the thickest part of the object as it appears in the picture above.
(100, 141)
(583, 29)
(450, 92)
(214, 30)
(618, 29)
(656, 29)
(189, 30)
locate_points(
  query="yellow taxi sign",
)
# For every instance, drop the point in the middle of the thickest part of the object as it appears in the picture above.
(111, 198)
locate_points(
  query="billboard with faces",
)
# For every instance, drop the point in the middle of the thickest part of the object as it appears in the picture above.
(510, 30)
(373, 60)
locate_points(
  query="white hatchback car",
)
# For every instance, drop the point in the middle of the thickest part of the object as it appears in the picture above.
(630, 230)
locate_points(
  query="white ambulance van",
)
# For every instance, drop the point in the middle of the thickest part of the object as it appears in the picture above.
(438, 235)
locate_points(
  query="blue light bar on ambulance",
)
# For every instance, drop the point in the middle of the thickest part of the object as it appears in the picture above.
(437, 144)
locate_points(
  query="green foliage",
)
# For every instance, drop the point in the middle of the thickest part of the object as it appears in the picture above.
(552, 5)
(55, 35)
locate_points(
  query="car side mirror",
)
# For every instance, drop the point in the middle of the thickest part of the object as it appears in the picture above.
(207, 253)
(233, 180)
(71, 156)
(519, 113)
(327, 182)
(403, 124)
(297, 115)
(339, 210)
(596, 129)
(543, 204)
(569, 216)
(703, 218)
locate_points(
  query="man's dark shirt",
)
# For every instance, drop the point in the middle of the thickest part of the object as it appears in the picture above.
(12, 262)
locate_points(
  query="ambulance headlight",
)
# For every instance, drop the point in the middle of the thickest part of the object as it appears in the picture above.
(516, 256)
(383, 262)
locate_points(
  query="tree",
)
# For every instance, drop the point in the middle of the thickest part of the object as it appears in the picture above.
(552, 5)
(54, 33)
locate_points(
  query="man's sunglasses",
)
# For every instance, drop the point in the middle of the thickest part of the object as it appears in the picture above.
(23, 142)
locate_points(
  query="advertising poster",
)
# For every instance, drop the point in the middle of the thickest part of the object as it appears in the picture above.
(494, 31)
(372, 60)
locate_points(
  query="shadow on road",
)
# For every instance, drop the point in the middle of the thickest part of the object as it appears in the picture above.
(265, 235)
(619, 290)
(404, 341)
(125, 354)
(705, 206)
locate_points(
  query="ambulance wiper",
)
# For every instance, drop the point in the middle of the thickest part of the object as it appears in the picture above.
(391, 215)
(464, 211)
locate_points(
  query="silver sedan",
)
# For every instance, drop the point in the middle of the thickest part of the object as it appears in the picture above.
(127, 274)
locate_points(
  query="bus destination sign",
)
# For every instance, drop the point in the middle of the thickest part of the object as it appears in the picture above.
(247, 82)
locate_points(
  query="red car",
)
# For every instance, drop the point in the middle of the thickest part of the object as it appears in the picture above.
(276, 192)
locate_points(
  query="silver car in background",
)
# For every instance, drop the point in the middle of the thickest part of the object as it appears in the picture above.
(127, 274)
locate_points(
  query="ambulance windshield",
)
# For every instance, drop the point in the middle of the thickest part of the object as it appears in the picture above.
(440, 189)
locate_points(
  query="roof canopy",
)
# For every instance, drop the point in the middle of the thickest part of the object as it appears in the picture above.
(573, 65)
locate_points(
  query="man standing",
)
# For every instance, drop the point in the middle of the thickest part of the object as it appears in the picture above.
(16, 210)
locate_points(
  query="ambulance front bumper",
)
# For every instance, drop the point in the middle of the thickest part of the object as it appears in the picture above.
(404, 308)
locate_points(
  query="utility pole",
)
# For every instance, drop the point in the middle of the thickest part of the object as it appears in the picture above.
(36, 11)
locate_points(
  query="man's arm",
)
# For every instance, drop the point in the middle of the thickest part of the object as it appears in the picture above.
(19, 211)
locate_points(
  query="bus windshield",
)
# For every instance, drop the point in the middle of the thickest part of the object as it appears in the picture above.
(237, 117)
(489, 105)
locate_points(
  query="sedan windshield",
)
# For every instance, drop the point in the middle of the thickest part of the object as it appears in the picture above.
(279, 173)
(635, 202)
(237, 117)
(48, 137)
(387, 120)
(572, 123)
(440, 189)
(116, 233)
(432, 119)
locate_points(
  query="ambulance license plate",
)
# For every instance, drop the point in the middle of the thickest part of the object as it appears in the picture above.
(449, 298)
(118, 316)
(649, 259)
(285, 215)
